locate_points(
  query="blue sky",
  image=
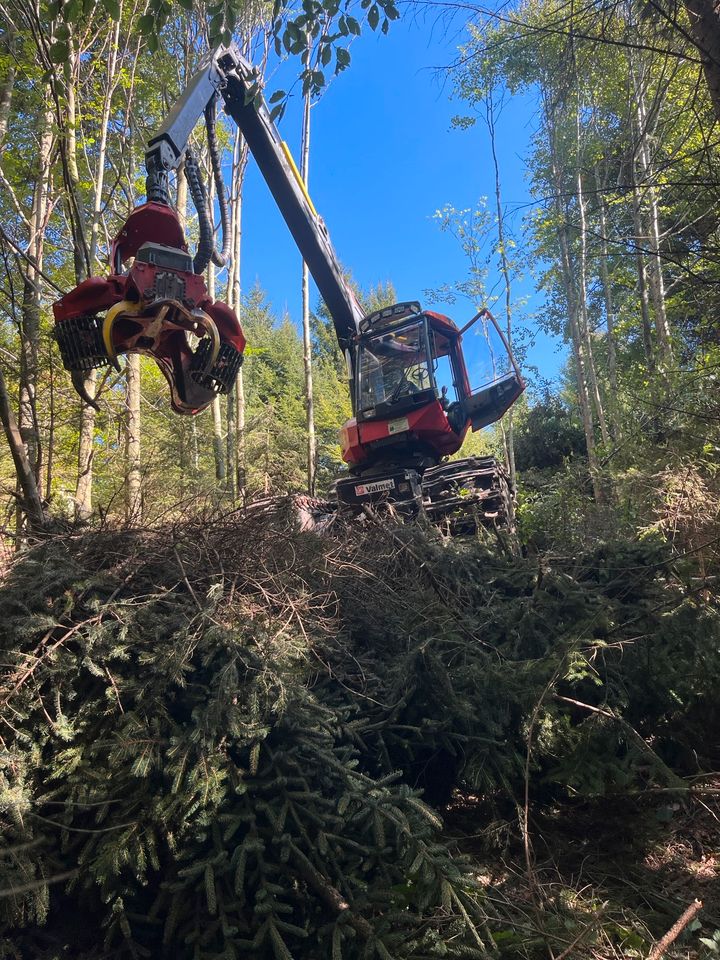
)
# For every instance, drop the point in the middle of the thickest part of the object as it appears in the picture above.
(384, 158)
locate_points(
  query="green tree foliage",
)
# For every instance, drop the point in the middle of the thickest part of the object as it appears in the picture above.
(328, 27)
(547, 435)
(274, 394)
(624, 171)
(208, 729)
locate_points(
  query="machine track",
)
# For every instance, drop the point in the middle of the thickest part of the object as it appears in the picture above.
(462, 495)
(459, 497)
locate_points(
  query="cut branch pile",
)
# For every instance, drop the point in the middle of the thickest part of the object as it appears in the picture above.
(213, 735)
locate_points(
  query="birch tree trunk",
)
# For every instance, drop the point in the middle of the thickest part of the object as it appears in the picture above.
(651, 238)
(133, 476)
(68, 150)
(240, 414)
(307, 343)
(218, 446)
(231, 443)
(571, 297)
(593, 386)
(647, 337)
(86, 252)
(102, 149)
(32, 279)
(236, 397)
(240, 157)
(194, 450)
(505, 267)
(609, 312)
(579, 356)
(7, 83)
(231, 405)
(217, 419)
(83, 487)
(49, 460)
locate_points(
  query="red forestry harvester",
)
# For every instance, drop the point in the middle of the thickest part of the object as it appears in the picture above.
(411, 395)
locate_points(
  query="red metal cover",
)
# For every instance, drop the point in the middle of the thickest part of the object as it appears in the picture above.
(427, 425)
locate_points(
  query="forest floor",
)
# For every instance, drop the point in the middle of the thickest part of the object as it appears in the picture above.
(600, 880)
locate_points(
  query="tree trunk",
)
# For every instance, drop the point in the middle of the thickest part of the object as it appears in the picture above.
(133, 476)
(231, 407)
(32, 505)
(85, 256)
(241, 439)
(568, 276)
(704, 17)
(218, 444)
(240, 157)
(307, 343)
(593, 385)
(648, 345)
(181, 200)
(69, 127)
(49, 460)
(217, 419)
(580, 365)
(30, 327)
(505, 266)
(236, 397)
(266, 471)
(8, 82)
(195, 447)
(102, 149)
(643, 155)
(609, 315)
(83, 488)
(231, 444)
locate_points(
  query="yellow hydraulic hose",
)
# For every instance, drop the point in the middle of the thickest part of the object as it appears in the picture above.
(298, 177)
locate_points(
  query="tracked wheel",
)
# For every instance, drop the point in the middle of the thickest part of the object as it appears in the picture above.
(464, 495)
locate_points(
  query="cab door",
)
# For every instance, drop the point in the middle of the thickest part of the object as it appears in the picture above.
(489, 403)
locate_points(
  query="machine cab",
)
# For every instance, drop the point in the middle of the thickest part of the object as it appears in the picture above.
(408, 359)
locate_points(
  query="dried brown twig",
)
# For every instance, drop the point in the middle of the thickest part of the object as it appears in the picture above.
(675, 930)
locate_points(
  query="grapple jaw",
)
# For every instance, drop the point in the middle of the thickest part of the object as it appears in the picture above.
(158, 307)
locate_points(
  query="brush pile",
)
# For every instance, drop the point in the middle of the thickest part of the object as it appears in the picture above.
(224, 739)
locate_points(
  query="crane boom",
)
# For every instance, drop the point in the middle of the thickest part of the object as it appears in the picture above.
(231, 76)
(410, 390)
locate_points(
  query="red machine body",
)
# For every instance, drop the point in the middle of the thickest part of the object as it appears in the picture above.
(428, 426)
(407, 364)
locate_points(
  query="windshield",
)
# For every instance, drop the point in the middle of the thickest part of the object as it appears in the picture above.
(393, 366)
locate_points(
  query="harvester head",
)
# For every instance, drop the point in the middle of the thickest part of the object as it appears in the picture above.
(157, 306)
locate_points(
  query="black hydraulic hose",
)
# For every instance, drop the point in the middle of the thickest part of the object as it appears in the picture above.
(206, 243)
(219, 259)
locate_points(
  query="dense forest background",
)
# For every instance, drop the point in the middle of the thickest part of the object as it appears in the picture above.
(223, 737)
(621, 242)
